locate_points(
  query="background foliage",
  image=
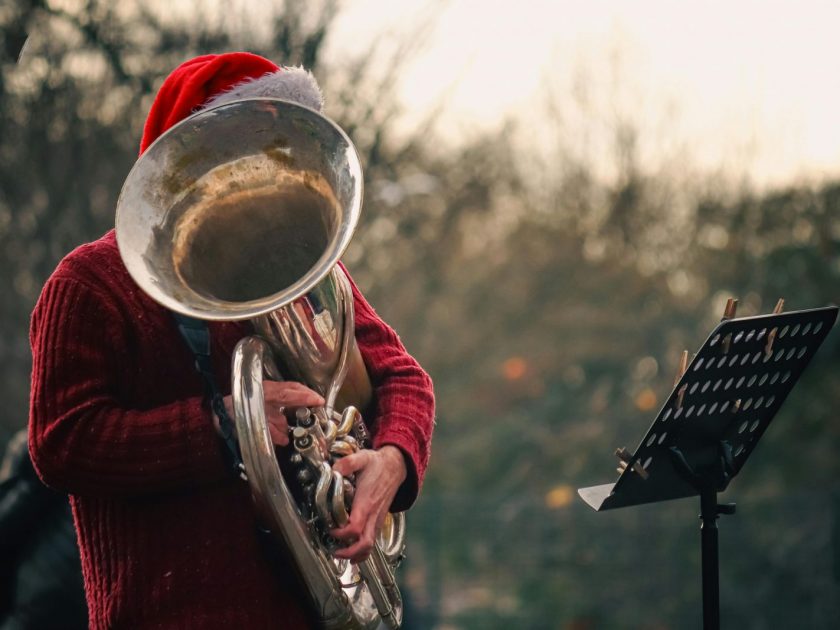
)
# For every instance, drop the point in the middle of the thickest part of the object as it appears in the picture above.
(550, 306)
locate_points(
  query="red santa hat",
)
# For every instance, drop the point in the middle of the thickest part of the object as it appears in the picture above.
(212, 80)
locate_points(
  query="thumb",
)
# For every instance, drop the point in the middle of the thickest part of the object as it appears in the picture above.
(351, 463)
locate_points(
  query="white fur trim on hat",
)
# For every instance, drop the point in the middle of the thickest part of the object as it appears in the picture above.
(290, 84)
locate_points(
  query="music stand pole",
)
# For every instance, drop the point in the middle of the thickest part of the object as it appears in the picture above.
(708, 481)
(709, 558)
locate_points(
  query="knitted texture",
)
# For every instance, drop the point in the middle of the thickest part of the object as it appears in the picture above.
(166, 531)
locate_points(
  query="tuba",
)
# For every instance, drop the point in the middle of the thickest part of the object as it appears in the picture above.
(241, 212)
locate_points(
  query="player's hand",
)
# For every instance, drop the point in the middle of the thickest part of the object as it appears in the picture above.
(379, 474)
(282, 399)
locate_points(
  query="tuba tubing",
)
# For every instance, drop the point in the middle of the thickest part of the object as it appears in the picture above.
(270, 494)
(252, 358)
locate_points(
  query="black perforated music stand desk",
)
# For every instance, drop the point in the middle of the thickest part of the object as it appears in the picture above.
(712, 421)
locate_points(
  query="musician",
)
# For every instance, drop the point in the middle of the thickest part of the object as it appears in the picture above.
(119, 421)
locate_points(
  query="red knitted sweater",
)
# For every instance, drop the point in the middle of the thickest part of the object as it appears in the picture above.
(118, 421)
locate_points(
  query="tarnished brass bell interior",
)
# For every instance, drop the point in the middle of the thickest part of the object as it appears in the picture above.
(244, 243)
(240, 209)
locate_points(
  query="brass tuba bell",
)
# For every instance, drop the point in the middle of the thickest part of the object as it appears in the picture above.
(242, 211)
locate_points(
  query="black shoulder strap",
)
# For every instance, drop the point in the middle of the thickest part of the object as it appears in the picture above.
(197, 336)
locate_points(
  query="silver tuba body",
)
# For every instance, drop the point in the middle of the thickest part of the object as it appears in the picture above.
(241, 212)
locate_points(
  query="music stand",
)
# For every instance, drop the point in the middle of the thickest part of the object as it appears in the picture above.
(712, 421)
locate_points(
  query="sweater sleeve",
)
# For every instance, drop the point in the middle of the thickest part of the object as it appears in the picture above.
(82, 439)
(404, 404)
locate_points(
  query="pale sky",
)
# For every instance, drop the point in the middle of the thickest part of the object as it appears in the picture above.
(755, 82)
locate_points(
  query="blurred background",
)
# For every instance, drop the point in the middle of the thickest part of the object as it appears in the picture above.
(559, 199)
